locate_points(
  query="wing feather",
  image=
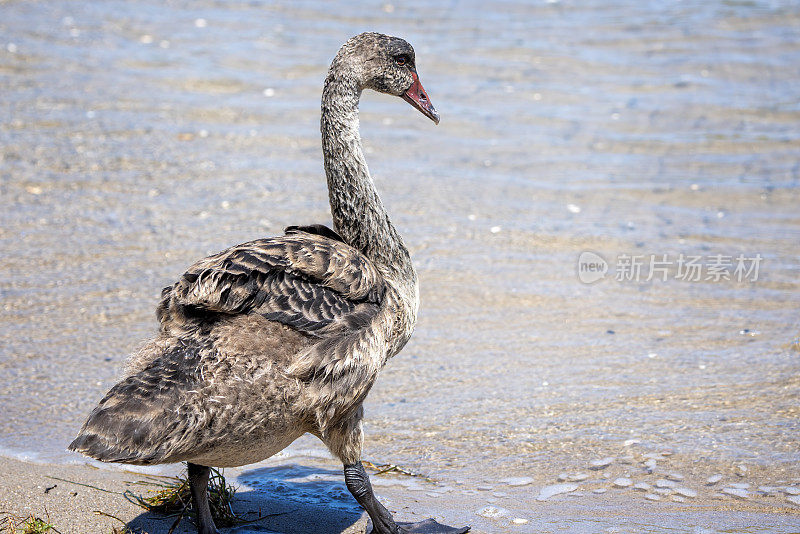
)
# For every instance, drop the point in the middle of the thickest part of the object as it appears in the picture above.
(306, 279)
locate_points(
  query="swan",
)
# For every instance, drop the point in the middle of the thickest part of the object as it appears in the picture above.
(282, 336)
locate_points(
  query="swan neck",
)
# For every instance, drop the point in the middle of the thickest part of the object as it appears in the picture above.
(358, 213)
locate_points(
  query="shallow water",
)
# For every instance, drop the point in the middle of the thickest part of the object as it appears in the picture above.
(137, 137)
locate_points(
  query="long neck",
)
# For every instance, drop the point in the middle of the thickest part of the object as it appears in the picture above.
(358, 213)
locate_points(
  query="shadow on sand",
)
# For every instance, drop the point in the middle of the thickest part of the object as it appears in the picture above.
(291, 499)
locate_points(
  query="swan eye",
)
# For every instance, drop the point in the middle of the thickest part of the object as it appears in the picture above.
(401, 60)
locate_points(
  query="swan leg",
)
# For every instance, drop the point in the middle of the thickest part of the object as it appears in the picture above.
(198, 484)
(346, 440)
(358, 483)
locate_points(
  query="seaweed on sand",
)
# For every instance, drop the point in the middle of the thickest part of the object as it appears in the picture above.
(30, 524)
(173, 497)
(392, 468)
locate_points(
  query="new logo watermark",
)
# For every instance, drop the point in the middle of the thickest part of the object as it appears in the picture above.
(592, 267)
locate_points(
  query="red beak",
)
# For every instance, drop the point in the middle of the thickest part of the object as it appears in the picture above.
(417, 97)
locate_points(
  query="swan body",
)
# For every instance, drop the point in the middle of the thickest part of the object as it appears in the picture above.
(282, 336)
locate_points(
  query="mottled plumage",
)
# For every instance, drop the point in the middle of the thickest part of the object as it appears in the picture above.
(310, 282)
(305, 302)
(277, 337)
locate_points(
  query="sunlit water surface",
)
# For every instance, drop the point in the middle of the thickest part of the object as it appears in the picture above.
(137, 137)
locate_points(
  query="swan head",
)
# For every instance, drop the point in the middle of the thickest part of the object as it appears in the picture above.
(387, 64)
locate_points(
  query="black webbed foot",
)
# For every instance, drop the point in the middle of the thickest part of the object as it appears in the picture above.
(429, 526)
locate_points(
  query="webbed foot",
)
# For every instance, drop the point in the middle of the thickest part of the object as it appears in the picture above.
(429, 526)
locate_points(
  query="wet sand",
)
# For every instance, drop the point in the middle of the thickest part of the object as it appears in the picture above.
(138, 137)
(77, 500)
(297, 495)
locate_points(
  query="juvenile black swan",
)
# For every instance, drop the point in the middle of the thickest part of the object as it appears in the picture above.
(277, 337)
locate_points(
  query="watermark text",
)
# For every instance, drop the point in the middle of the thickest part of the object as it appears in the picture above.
(743, 268)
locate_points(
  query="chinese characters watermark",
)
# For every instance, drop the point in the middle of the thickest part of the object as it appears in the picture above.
(593, 267)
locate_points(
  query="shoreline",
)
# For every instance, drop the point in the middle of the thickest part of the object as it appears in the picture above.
(78, 499)
(305, 494)
(300, 490)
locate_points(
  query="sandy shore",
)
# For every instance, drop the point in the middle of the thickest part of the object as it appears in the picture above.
(34, 489)
(82, 498)
(299, 491)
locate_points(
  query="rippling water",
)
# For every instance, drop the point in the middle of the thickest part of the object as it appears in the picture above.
(136, 137)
